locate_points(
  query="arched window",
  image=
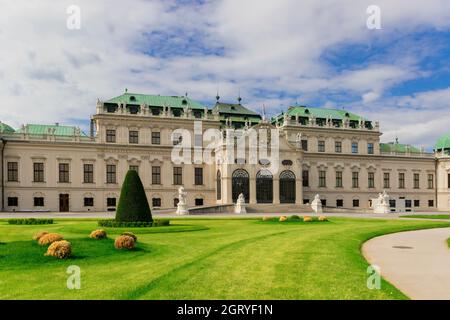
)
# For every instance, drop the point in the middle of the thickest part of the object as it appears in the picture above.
(264, 186)
(287, 187)
(240, 184)
(219, 185)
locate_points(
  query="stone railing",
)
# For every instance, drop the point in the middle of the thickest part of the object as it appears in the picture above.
(345, 125)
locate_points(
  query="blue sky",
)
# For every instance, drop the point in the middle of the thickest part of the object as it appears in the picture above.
(275, 53)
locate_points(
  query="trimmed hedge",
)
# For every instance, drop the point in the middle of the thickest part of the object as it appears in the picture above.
(133, 205)
(30, 221)
(135, 224)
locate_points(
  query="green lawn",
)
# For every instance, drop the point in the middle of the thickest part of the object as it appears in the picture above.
(201, 259)
(431, 216)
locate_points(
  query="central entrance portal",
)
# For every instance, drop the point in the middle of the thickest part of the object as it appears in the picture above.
(264, 187)
(240, 184)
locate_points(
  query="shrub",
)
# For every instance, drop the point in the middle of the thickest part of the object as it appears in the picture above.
(323, 218)
(98, 234)
(124, 242)
(283, 218)
(130, 234)
(60, 249)
(39, 235)
(295, 217)
(133, 205)
(161, 223)
(30, 221)
(307, 219)
(266, 218)
(49, 238)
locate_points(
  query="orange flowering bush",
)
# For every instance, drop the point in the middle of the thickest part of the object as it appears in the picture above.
(98, 234)
(124, 242)
(49, 238)
(39, 235)
(60, 249)
(323, 218)
(283, 218)
(307, 219)
(130, 234)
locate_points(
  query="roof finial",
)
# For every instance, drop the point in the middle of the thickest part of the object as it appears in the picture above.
(217, 96)
(239, 96)
(264, 112)
(396, 140)
(186, 94)
(126, 90)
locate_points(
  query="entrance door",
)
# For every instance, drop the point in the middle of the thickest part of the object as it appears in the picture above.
(63, 202)
(240, 184)
(287, 187)
(264, 187)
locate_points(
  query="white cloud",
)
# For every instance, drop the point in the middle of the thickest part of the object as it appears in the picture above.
(49, 73)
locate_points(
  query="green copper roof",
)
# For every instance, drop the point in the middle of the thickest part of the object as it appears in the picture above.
(156, 100)
(398, 148)
(443, 142)
(4, 128)
(235, 109)
(337, 114)
(40, 129)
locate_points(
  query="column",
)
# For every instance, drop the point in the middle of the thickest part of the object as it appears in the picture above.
(252, 189)
(276, 191)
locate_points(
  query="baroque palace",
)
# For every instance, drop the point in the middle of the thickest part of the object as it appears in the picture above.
(333, 153)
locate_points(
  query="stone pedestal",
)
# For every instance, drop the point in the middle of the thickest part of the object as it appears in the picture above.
(316, 205)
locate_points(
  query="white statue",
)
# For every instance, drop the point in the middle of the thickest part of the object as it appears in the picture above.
(239, 207)
(316, 204)
(381, 204)
(182, 208)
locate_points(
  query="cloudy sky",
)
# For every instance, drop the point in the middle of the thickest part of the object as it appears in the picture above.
(275, 52)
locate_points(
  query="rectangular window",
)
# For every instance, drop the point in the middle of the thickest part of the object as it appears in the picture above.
(371, 180)
(370, 148)
(324, 202)
(133, 137)
(431, 203)
(156, 138)
(355, 179)
(338, 179)
(355, 203)
(38, 172)
(322, 179)
(305, 177)
(401, 180)
(339, 203)
(431, 181)
(177, 176)
(408, 204)
(88, 202)
(416, 203)
(416, 181)
(13, 202)
(305, 201)
(386, 180)
(64, 173)
(88, 173)
(338, 147)
(199, 202)
(110, 202)
(177, 138)
(111, 174)
(111, 136)
(156, 202)
(38, 201)
(198, 176)
(156, 175)
(13, 171)
(305, 145)
(354, 147)
(448, 180)
(321, 146)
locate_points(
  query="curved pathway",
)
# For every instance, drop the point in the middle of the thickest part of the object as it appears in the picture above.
(416, 262)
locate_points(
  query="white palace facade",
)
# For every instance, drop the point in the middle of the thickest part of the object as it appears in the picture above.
(333, 153)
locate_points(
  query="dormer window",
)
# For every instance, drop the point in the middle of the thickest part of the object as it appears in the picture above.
(347, 114)
(132, 98)
(233, 108)
(307, 111)
(184, 102)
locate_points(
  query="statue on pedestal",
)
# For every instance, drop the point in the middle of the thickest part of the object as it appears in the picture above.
(239, 207)
(182, 208)
(316, 205)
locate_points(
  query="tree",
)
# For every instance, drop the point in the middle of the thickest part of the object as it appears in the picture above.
(133, 205)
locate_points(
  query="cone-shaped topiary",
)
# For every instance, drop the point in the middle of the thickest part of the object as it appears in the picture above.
(133, 204)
